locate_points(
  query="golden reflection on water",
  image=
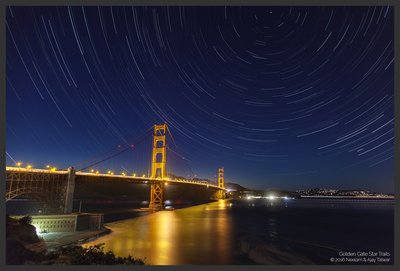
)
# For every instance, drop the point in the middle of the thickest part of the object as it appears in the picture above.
(196, 235)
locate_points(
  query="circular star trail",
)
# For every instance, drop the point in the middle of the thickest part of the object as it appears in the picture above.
(287, 97)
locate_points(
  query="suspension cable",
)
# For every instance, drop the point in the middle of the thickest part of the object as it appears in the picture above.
(129, 146)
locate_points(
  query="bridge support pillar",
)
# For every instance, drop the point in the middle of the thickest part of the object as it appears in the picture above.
(156, 196)
(69, 193)
(220, 194)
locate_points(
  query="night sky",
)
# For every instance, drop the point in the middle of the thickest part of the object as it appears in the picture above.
(282, 97)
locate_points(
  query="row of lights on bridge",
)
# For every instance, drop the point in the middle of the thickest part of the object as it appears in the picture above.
(19, 164)
(51, 168)
(29, 166)
(112, 173)
(122, 173)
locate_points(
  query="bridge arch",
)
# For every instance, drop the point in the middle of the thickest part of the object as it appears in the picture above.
(48, 200)
(40, 185)
(36, 192)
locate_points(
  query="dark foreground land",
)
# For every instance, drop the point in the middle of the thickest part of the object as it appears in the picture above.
(25, 247)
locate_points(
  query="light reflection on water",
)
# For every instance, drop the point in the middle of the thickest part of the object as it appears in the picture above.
(254, 232)
(192, 235)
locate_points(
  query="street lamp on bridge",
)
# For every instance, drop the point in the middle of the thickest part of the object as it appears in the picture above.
(51, 168)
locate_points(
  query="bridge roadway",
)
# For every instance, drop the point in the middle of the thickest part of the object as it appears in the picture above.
(93, 176)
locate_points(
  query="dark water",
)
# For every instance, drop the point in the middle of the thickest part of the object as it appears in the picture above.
(256, 232)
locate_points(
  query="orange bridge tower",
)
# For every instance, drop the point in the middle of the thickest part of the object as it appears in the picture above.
(221, 184)
(158, 166)
(221, 181)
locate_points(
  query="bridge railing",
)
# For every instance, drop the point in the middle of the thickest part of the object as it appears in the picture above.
(21, 169)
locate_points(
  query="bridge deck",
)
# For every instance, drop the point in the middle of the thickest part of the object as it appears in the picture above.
(114, 177)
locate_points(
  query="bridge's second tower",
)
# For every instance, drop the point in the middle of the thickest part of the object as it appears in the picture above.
(158, 166)
(221, 182)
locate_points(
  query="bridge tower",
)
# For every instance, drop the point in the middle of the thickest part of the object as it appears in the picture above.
(158, 166)
(221, 184)
(221, 181)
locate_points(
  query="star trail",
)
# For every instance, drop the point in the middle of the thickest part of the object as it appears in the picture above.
(283, 97)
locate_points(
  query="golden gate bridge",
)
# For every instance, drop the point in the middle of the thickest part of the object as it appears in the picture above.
(58, 186)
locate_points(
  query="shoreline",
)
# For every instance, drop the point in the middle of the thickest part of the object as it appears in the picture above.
(53, 241)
